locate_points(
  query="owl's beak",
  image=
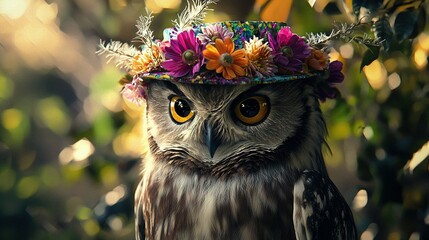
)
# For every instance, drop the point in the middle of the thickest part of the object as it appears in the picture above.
(212, 138)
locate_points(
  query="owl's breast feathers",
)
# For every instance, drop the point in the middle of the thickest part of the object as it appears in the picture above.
(180, 203)
(182, 206)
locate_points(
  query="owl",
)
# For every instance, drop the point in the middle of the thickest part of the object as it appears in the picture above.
(235, 132)
(237, 162)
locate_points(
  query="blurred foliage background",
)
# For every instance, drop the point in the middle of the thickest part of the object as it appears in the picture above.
(70, 145)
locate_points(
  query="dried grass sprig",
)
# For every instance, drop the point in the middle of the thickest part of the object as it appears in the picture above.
(194, 13)
(144, 34)
(122, 53)
(343, 31)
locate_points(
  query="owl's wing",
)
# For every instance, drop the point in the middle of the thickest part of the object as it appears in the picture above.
(319, 210)
(138, 210)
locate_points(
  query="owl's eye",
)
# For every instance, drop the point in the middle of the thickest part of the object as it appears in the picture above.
(180, 111)
(252, 110)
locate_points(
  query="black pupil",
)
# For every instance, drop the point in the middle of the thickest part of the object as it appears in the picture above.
(182, 108)
(249, 107)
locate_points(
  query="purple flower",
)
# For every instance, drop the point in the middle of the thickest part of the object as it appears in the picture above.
(211, 32)
(335, 74)
(327, 88)
(183, 56)
(290, 51)
(134, 91)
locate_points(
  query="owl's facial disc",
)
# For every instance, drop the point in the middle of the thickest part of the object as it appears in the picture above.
(213, 123)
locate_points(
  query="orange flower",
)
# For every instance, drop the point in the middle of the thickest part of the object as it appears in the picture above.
(318, 60)
(148, 60)
(222, 58)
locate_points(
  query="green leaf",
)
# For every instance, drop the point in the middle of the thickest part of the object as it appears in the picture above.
(372, 5)
(404, 24)
(420, 23)
(357, 4)
(384, 33)
(369, 56)
(332, 9)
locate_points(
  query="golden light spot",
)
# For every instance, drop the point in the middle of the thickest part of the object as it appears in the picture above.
(109, 175)
(83, 213)
(368, 132)
(347, 50)
(376, 74)
(115, 223)
(6, 87)
(124, 144)
(78, 152)
(394, 80)
(152, 6)
(395, 235)
(360, 200)
(117, 5)
(168, 4)
(380, 154)
(13, 8)
(423, 41)
(66, 155)
(91, 227)
(370, 232)
(420, 58)
(112, 101)
(12, 118)
(391, 64)
(217, 16)
(27, 187)
(418, 158)
(340, 130)
(50, 112)
(334, 55)
(16, 122)
(72, 172)
(47, 13)
(82, 149)
(115, 195)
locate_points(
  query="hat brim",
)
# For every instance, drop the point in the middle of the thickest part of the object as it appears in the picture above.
(213, 79)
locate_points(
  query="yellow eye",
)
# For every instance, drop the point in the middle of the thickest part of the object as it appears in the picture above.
(180, 111)
(252, 110)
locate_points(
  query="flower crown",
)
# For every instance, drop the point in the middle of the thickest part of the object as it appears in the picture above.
(232, 52)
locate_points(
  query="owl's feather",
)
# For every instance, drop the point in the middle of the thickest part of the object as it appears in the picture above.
(319, 211)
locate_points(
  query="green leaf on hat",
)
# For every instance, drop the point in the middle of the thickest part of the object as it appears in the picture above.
(369, 56)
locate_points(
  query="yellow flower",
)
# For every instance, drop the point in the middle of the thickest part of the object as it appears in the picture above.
(222, 58)
(148, 60)
(260, 58)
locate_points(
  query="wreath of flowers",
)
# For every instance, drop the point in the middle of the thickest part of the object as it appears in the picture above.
(222, 53)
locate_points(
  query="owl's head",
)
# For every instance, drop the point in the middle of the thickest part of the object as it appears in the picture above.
(235, 126)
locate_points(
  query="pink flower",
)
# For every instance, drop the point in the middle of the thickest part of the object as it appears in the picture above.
(211, 32)
(183, 56)
(134, 91)
(290, 51)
